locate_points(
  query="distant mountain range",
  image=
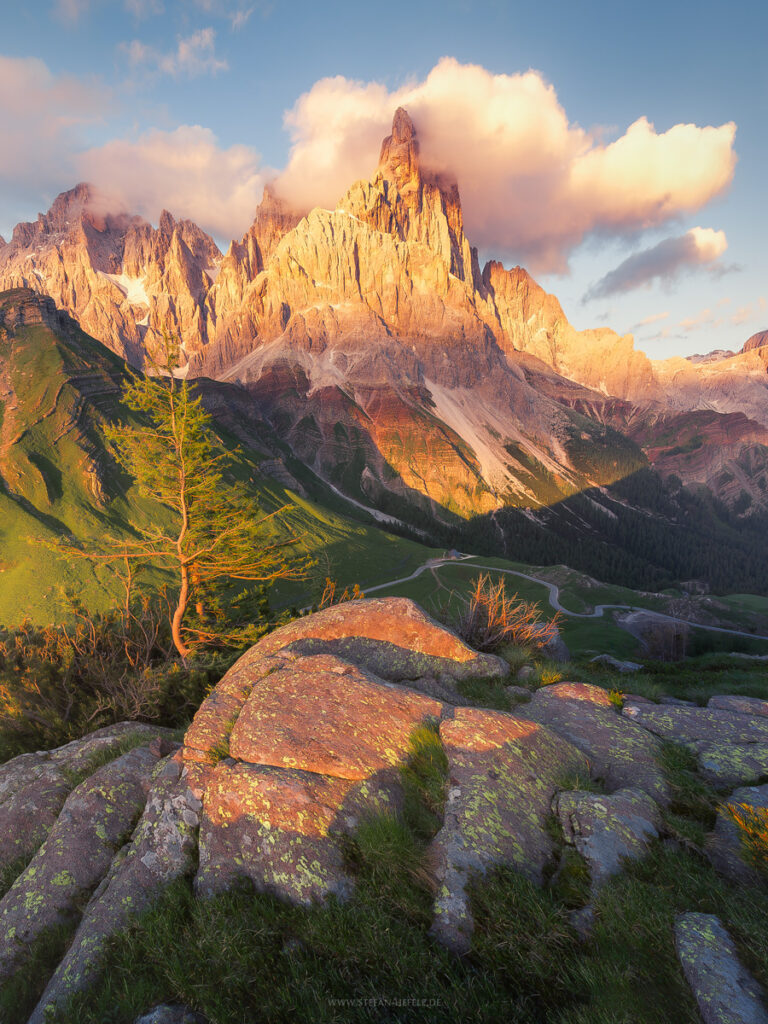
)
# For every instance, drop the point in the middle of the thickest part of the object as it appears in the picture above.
(392, 367)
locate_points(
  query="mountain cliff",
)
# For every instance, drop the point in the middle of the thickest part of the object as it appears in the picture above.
(392, 363)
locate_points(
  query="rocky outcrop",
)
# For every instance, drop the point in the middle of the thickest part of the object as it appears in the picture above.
(608, 829)
(504, 773)
(303, 740)
(620, 754)
(724, 990)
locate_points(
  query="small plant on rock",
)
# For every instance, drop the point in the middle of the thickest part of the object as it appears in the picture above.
(752, 825)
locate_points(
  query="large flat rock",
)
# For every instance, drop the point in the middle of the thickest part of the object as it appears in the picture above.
(390, 636)
(281, 829)
(725, 765)
(325, 715)
(620, 753)
(741, 705)
(691, 725)
(725, 991)
(503, 774)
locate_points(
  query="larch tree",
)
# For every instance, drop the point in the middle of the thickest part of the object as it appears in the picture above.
(215, 531)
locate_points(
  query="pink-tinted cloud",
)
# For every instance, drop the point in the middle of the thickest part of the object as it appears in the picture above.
(184, 170)
(533, 184)
(41, 116)
(665, 261)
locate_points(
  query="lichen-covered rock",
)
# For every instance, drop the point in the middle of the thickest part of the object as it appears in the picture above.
(725, 991)
(171, 1015)
(281, 829)
(503, 775)
(724, 846)
(690, 725)
(606, 830)
(96, 819)
(390, 636)
(316, 744)
(741, 705)
(620, 753)
(725, 765)
(162, 848)
(33, 787)
(325, 715)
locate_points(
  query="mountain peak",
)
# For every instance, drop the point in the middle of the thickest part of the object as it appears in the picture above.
(756, 341)
(399, 158)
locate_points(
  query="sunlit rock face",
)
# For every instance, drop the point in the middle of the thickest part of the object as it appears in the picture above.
(393, 364)
(123, 280)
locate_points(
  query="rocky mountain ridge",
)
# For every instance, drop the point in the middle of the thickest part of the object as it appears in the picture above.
(395, 366)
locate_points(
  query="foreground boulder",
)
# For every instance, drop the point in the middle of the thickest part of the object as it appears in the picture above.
(316, 745)
(97, 818)
(620, 753)
(161, 849)
(725, 991)
(503, 774)
(608, 829)
(33, 787)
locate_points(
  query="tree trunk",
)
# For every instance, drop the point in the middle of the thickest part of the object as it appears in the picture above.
(178, 615)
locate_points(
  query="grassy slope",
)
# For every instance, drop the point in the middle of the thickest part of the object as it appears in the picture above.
(64, 391)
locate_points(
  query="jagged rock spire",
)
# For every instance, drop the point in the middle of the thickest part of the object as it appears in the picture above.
(399, 158)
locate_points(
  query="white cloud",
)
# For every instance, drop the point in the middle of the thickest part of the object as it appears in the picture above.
(194, 55)
(752, 311)
(664, 261)
(184, 170)
(40, 118)
(533, 184)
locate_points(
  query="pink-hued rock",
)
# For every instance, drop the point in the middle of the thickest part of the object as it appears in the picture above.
(281, 829)
(325, 715)
(390, 636)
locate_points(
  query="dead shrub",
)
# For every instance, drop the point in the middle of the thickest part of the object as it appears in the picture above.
(489, 619)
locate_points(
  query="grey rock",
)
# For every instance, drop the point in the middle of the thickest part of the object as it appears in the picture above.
(167, 1014)
(526, 672)
(724, 846)
(619, 666)
(725, 765)
(636, 698)
(677, 702)
(690, 725)
(97, 818)
(725, 991)
(503, 775)
(162, 849)
(33, 787)
(741, 705)
(606, 830)
(620, 753)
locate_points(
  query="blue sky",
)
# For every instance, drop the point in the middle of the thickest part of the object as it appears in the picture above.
(182, 103)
